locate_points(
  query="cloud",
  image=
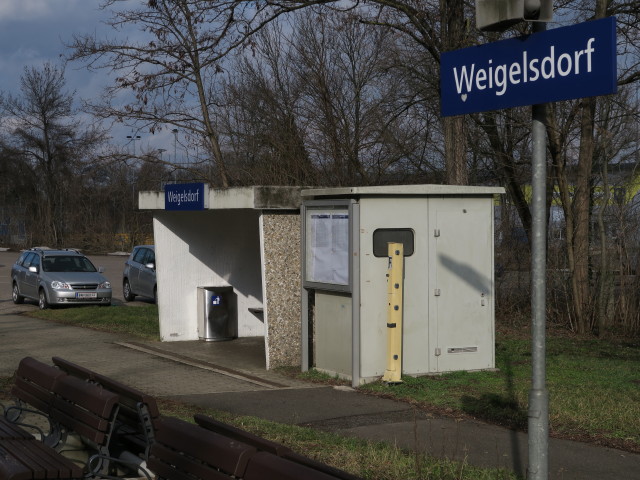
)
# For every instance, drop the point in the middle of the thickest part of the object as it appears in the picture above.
(21, 10)
(34, 31)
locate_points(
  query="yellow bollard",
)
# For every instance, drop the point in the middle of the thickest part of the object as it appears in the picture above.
(395, 278)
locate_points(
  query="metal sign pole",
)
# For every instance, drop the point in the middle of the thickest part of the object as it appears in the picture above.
(538, 395)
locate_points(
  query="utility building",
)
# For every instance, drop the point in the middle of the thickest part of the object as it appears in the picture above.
(449, 295)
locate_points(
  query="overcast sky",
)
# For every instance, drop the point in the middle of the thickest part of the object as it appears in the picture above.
(34, 31)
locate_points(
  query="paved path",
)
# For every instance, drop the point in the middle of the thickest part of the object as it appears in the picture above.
(231, 376)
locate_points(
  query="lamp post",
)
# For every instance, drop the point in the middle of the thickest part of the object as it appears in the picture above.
(175, 143)
(130, 177)
(134, 138)
(160, 152)
(497, 15)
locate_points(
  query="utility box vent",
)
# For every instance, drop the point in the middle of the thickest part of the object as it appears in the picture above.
(462, 350)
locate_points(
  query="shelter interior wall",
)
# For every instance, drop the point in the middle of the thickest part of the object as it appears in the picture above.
(211, 248)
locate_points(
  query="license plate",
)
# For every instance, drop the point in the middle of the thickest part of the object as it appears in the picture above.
(86, 295)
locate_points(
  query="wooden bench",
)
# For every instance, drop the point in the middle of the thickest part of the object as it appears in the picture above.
(33, 386)
(111, 417)
(72, 406)
(138, 412)
(186, 451)
(274, 449)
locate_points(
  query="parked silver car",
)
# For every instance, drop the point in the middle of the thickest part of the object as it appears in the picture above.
(58, 277)
(139, 275)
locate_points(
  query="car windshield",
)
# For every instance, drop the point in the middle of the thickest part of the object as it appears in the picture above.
(69, 263)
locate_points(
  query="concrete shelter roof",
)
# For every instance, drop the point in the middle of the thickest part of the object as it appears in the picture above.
(402, 190)
(290, 198)
(256, 197)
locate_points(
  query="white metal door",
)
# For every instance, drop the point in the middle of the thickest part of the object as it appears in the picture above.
(461, 284)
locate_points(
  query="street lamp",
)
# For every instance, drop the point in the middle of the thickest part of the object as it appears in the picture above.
(161, 179)
(133, 138)
(175, 142)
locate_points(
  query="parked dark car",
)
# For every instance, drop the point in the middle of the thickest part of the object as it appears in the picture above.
(58, 277)
(139, 275)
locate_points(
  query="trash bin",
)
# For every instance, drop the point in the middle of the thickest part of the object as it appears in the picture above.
(216, 317)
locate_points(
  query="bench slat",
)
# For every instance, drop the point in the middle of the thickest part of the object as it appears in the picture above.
(265, 466)
(80, 421)
(238, 434)
(40, 373)
(27, 459)
(91, 397)
(322, 467)
(40, 463)
(74, 369)
(34, 383)
(166, 471)
(32, 394)
(84, 408)
(213, 449)
(10, 431)
(128, 395)
(173, 465)
(12, 469)
(57, 462)
(262, 444)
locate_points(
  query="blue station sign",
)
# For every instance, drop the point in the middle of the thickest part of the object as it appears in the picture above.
(559, 64)
(184, 196)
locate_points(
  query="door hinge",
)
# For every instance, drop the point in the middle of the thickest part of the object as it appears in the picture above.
(436, 292)
(438, 351)
(436, 232)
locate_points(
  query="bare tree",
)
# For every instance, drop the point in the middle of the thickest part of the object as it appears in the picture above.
(262, 123)
(52, 142)
(573, 137)
(341, 66)
(433, 27)
(325, 100)
(170, 70)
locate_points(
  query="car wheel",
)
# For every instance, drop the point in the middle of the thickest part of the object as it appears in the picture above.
(15, 295)
(126, 291)
(42, 300)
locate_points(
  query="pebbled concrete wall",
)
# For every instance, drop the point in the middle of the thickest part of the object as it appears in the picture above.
(280, 239)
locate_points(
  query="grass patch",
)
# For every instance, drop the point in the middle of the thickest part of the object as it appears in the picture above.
(312, 375)
(140, 321)
(594, 388)
(368, 460)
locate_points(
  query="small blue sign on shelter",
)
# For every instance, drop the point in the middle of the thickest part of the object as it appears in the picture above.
(560, 64)
(184, 196)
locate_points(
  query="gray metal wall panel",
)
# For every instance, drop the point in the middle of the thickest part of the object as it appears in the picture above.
(332, 332)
